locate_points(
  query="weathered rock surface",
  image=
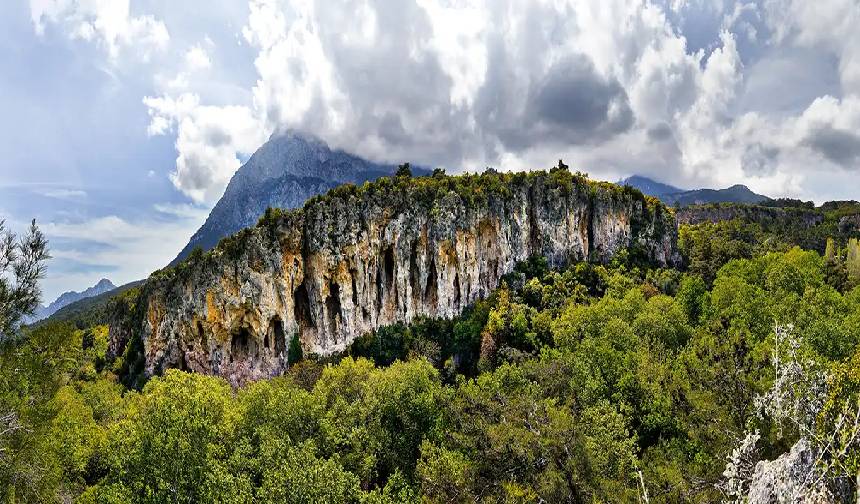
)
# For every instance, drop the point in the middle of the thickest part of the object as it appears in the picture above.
(360, 258)
(791, 479)
(849, 223)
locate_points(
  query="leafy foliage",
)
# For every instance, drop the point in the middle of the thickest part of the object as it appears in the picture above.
(596, 383)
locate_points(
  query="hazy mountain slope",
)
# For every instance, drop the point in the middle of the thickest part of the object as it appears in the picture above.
(650, 187)
(89, 311)
(67, 298)
(674, 196)
(284, 172)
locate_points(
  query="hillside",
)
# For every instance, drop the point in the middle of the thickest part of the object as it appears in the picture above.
(595, 379)
(67, 298)
(674, 196)
(88, 311)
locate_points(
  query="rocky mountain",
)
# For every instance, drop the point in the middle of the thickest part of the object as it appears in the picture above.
(283, 173)
(650, 187)
(360, 258)
(67, 298)
(675, 196)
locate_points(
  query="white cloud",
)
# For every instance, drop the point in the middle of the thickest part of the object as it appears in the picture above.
(613, 86)
(196, 58)
(208, 140)
(106, 22)
(63, 193)
(833, 25)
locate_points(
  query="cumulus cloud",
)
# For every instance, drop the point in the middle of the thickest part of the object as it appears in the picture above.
(197, 58)
(208, 140)
(762, 92)
(106, 22)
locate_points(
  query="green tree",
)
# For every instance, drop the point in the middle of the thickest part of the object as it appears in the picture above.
(295, 473)
(404, 170)
(834, 266)
(852, 262)
(177, 442)
(830, 250)
(32, 370)
(294, 352)
(22, 265)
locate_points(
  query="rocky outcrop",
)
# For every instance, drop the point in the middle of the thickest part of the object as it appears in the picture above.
(360, 258)
(792, 479)
(849, 223)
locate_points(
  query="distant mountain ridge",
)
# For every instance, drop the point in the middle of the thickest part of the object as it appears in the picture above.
(675, 196)
(67, 298)
(286, 171)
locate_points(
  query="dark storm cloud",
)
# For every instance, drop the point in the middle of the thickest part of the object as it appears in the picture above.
(660, 133)
(759, 160)
(571, 103)
(573, 97)
(838, 145)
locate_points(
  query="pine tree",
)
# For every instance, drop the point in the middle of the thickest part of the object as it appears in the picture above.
(22, 265)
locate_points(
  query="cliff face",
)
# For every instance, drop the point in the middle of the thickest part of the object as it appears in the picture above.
(360, 258)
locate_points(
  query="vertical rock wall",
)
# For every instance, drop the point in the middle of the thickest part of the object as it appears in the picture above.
(358, 259)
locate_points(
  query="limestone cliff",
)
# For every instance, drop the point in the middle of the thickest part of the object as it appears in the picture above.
(359, 258)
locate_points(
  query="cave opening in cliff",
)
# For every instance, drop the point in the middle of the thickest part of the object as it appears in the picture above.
(201, 335)
(388, 261)
(456, 289)
(242, 345)
(279, 338)
(414, 276)
(431, 291)
(333, 308)
(302, 307)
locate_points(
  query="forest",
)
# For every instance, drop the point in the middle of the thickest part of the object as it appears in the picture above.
(620, 382)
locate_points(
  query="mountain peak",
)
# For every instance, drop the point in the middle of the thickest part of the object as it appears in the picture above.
(104, 283)
(291, 167)
(650, 186)
(67, 298)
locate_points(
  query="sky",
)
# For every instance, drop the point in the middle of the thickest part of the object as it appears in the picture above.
(124, 120)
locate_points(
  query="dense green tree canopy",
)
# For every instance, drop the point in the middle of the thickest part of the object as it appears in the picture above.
(595, 383)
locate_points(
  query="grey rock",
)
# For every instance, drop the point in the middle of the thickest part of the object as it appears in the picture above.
(792, 479)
